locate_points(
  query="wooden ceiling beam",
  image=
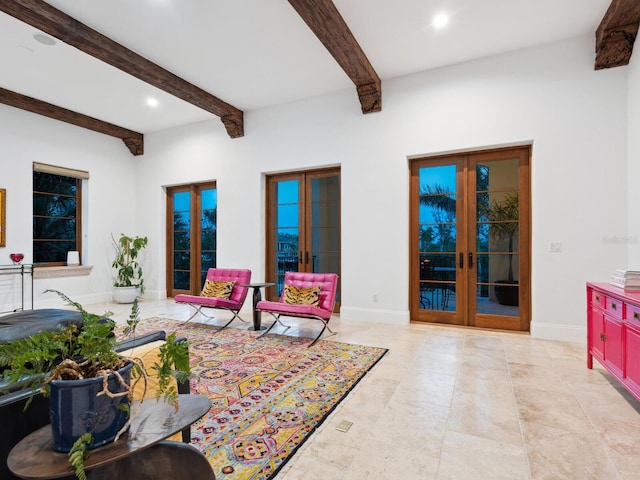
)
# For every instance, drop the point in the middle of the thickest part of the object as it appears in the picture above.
(133, 140)
(617, 33)
(58, 24)
(325, 21)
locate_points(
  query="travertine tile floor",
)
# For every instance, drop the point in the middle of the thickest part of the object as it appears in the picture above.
(455, 403)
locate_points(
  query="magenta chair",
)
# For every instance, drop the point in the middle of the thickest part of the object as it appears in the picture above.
(328, 283)
(233, 303)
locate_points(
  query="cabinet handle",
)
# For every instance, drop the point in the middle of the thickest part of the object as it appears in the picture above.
(461, 260)
(635, 315)
(470, 260)
(603, 337)
(614, 306)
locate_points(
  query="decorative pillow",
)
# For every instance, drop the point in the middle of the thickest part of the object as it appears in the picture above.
(213, 288)
(301, 296)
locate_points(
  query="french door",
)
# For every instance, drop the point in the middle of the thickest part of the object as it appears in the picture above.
(191, 236)
(470, 239)
(303, 225)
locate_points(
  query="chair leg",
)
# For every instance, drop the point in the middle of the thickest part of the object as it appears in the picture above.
(324, 327)
(269, 327)
(197, 311)
(235, 315)
(277, 320)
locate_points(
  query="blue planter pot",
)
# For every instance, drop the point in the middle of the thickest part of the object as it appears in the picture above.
(75, 409)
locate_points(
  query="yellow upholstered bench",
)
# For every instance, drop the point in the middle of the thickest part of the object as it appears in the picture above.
(149, 353)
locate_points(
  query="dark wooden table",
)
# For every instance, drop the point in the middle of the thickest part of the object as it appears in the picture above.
(33, 458)
(257, 296)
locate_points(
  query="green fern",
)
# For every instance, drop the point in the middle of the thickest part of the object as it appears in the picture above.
(36, 360)
(173, 362)
(133, 320)
(78, 454)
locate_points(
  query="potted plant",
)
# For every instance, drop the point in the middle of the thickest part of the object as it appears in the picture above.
(503, 215)
(129, 283)
(79, 368)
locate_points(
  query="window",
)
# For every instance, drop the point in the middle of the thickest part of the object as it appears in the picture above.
(191, 236)
(470, 239)
(56, 213)
(303, 225)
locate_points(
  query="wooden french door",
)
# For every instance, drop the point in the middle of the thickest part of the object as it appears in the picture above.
(470, 239)
(303, 225)
(191, 236)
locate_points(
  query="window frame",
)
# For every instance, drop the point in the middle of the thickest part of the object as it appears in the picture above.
(78, 176)
(196, 272)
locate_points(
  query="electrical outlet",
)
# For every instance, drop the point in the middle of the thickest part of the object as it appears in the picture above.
(555, 247)
(344, 426)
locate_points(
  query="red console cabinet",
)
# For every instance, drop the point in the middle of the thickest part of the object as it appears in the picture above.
(613, 332)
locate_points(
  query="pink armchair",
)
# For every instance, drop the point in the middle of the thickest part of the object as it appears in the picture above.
(233, 303)
(328, 283)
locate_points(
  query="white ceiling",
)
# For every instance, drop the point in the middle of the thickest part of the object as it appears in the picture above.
(258, 53)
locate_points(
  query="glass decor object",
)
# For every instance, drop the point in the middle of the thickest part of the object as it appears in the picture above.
(16, 257)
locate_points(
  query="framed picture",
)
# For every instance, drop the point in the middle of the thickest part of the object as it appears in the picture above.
(3, 217)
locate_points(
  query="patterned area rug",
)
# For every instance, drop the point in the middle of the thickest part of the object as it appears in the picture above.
(268, 394)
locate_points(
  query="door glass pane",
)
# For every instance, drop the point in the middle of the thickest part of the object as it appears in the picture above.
(181, 240)
(286, 229)
(325, 225)
(437, 282)
(325, 239)
(497, 237)
(208, 227)
(304, 225)
(437, 237)
(325, 214)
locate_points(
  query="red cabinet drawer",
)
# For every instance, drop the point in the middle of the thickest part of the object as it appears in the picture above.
(614, 307)
(633, 314)
(597, 299)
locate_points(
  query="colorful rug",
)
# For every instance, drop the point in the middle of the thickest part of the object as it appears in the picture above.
(269, 394)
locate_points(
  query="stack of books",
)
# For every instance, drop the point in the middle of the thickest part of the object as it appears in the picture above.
(626, 279)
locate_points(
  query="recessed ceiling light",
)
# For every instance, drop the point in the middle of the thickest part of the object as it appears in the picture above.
(440, 20)
(44, 39)
(152, 102)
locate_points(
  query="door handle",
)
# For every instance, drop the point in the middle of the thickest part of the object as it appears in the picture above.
(306, 257)
(300, 257)
(461, 260)
(470, 260)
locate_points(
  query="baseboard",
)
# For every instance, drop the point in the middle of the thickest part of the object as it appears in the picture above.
(393, 317)
(154, 294)
(555, 331)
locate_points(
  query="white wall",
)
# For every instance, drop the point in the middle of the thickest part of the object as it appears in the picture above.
(633, 154)
(25, 138)
(551, 96)
(575, 117)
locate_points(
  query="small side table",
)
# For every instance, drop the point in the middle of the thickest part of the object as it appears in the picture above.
(257, 296)
(21, 269)
(33, 458)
